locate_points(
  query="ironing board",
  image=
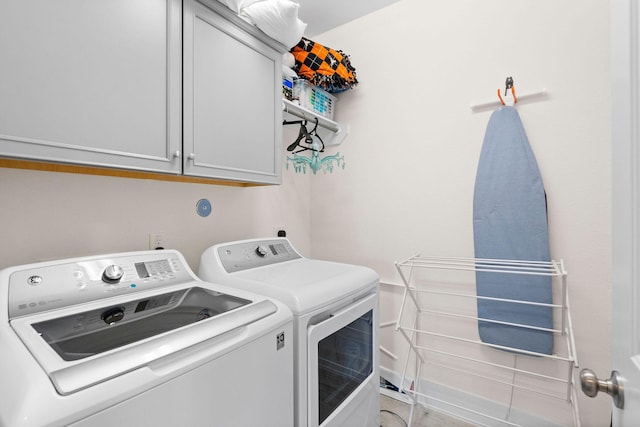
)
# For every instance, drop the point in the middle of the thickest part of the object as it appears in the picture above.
(510, 222)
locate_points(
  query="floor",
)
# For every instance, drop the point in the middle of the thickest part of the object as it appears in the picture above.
(395, 413)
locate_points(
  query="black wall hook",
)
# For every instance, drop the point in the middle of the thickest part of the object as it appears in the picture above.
(508, 84)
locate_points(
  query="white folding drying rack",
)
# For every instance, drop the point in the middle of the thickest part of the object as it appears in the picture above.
(416, 298)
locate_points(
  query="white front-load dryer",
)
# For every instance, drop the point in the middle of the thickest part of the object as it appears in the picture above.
(135, 339)
(335, 308)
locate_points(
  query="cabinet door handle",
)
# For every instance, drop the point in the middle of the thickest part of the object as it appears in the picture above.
(191, 156)
(177, 154)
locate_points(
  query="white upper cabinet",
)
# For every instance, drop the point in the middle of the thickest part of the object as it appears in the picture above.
(92, 82)
(232, 98)
(101, 83)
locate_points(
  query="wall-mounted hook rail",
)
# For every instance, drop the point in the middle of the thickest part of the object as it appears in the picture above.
(527, 97)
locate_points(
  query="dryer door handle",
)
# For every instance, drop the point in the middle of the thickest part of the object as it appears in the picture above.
(349, 309)
(341, 318)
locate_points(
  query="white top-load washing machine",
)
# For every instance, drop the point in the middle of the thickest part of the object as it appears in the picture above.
(136, 339)
(335, 309)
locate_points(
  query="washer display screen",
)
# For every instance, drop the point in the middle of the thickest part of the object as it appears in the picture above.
(147, 269)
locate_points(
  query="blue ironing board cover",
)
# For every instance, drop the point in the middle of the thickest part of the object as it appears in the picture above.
(510, 222)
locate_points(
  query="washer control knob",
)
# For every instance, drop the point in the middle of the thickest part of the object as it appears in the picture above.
(262, 251)
(113, 315)
(112, 274)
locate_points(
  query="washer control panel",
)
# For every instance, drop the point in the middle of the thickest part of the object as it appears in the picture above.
(47, 286)
(255, 253)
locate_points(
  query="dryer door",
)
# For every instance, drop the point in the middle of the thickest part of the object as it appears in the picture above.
(342, 360)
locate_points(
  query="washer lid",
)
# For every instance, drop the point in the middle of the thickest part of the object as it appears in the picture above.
(78, 349)
(305, 284)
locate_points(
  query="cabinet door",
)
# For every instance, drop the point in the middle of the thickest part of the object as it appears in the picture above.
(92, 82)
(232, 100)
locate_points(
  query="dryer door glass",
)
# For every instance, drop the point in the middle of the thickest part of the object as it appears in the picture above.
(345, 360)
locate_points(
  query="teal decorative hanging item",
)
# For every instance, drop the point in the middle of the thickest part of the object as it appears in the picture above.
(311, 141)
(316, 163)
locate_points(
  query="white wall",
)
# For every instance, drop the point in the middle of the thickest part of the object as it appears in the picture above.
(47, 215)
(411, 160)
(412, 153)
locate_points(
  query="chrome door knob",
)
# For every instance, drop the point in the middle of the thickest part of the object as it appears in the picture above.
(591, 385)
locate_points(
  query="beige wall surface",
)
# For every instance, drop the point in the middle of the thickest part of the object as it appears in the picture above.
(49, 215)
(412, 153)
(411, 158)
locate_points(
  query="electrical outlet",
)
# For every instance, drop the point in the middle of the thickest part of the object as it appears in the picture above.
(277, 229)
(156, 240)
